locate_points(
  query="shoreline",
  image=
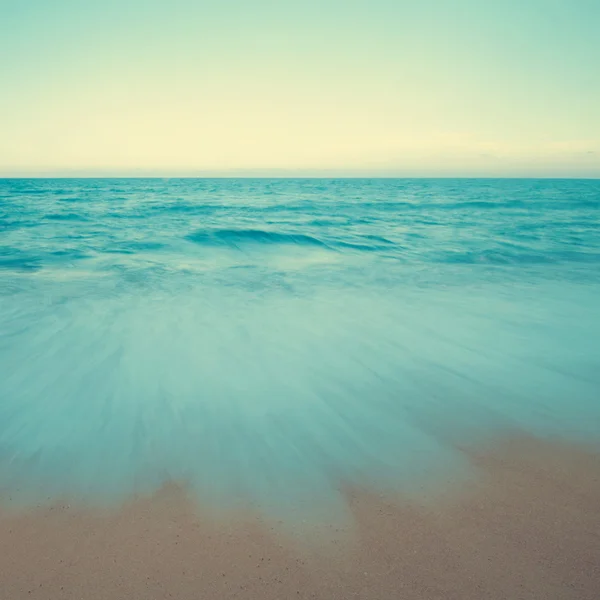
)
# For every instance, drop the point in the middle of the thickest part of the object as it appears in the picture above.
(527, 526)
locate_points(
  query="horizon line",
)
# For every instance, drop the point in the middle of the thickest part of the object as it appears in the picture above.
(291, 175)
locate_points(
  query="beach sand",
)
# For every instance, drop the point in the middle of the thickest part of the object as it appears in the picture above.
(527, 525)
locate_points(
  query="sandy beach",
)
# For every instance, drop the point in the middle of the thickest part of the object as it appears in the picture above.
(526, 526)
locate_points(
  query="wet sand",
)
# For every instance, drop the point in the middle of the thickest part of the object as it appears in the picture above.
(526, 526)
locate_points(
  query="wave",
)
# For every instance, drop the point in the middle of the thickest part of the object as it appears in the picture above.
(188, 208)
(19, 264)
(65, 217)
(494, 257)
(242, 237)
(380, 244)
(245, 237)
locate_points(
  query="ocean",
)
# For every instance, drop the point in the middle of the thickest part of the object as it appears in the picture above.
(269, 341)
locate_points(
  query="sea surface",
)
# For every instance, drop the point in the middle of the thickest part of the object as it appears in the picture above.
(269, 341)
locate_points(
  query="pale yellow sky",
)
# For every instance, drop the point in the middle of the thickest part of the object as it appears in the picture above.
(367, 88)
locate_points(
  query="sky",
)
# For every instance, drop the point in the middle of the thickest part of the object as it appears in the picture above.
(329, 87)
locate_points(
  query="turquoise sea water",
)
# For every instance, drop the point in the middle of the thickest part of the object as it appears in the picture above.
(268, 340)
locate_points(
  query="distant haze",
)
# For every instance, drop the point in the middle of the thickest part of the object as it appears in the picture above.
(341, 88)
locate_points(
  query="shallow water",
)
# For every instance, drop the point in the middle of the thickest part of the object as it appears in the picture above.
(266, 340)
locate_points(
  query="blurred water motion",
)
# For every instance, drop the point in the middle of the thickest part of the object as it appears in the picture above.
(266, 341)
